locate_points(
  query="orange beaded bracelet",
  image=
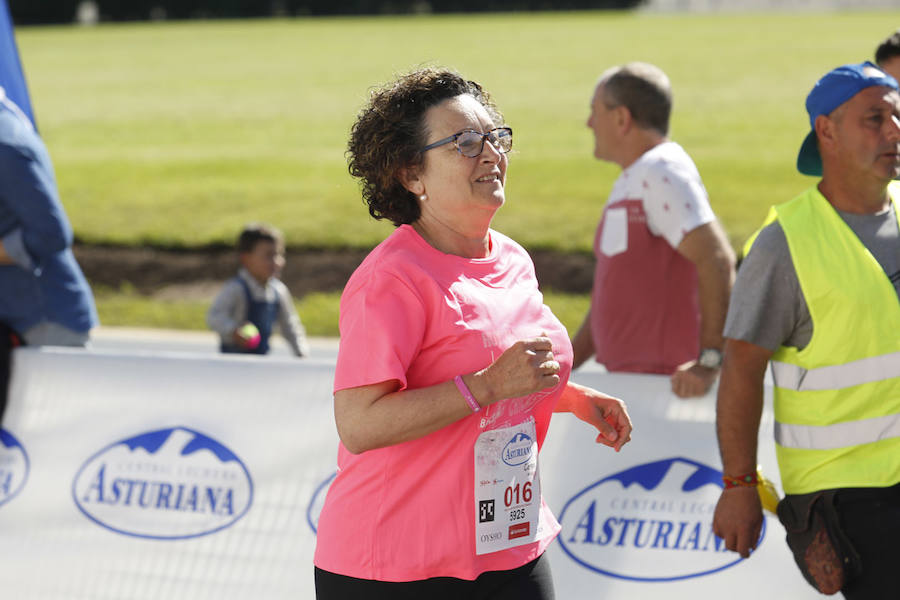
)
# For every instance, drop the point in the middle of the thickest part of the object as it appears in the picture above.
(748, 480)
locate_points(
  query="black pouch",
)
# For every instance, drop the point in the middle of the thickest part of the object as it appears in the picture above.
(821, 550)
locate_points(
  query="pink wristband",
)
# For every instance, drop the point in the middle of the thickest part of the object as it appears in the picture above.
(464, 390)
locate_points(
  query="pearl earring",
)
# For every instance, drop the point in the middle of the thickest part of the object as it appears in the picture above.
(423, 197)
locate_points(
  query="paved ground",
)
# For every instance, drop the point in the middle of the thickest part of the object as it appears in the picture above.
(131, 339)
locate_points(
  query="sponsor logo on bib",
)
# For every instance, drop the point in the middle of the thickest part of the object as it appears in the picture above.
(519, 530)
(652, 522)
(167, 484)
(517, 450)
(485, 511)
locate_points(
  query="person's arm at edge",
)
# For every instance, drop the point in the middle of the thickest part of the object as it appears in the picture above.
(43, 228)
(606, 413)
(738, 516)
(707, 247)
(583, 343)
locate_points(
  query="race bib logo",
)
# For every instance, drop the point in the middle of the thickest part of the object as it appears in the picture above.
(167, 484)
(652, 522)
(518, 450)
(485, 511)
(14, 467)
(519, 530)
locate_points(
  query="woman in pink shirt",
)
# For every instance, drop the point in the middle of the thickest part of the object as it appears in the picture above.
(449, 368)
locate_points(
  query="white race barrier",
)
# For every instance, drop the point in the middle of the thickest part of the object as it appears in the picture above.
(134, 477)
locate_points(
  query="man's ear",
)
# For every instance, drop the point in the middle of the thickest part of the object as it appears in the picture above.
(825, 132)
(623, 119)
(409, 178)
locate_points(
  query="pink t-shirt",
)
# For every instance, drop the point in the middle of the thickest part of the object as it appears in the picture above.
(414, 314)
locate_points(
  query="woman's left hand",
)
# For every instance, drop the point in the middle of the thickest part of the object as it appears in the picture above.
(608, 414)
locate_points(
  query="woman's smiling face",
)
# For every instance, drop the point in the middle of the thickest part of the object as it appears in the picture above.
(456, 185)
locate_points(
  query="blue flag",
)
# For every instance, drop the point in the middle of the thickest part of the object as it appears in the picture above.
(12, 79)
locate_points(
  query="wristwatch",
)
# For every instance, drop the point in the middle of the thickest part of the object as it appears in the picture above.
(711, 358)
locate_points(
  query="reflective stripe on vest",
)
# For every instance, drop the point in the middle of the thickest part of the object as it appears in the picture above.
(839, 435)
(835, 377)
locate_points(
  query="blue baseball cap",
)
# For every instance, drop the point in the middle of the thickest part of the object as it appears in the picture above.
(836, 87)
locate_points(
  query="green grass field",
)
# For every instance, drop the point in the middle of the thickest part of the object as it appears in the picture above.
(178, 133)
(319, 311)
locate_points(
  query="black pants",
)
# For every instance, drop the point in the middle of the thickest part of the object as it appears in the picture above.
(532, 581)
(871, 519)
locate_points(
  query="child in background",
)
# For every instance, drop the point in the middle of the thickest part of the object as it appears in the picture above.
(249, 305)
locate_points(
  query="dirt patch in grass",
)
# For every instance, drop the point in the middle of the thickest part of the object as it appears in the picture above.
(198, 274)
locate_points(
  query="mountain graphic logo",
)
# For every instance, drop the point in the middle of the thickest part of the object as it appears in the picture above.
(518, 450)
(166, 484)
(14, 466)
(651, 522)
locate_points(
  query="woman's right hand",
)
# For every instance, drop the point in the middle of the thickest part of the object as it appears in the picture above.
(381, 414)
(524, 368)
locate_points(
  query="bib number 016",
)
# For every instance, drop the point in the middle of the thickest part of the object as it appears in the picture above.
(517, 494)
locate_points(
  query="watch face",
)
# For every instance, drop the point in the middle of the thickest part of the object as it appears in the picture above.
(710, 358)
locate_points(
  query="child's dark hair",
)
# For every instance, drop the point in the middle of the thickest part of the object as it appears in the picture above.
(255, 233)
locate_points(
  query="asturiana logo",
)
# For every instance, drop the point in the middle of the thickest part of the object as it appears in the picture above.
(518, 450)
(14, 466)
(652, 522)
(167, 484)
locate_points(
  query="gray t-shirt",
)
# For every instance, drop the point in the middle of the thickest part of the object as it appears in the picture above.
(767, 306)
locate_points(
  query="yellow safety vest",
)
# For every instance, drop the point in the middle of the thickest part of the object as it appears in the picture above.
(837, 401)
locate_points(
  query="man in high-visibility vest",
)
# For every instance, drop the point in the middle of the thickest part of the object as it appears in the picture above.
(819, 295)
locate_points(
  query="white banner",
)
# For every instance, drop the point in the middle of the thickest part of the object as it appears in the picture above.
(147, 476)
(638, 524)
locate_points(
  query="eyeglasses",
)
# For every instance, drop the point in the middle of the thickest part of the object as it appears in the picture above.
(470, 143)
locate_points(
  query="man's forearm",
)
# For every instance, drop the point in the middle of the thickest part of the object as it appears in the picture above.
(707, 247)
(713, 291)
(715, 277)
(739, 405)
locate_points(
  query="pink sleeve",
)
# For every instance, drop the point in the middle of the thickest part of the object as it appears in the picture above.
(382, 323)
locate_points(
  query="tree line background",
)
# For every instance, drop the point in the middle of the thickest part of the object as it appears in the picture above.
(27, 12)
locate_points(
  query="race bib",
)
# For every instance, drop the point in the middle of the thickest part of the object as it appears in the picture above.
(507, 488)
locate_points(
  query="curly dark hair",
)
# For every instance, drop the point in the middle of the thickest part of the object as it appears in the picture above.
(389, 134)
